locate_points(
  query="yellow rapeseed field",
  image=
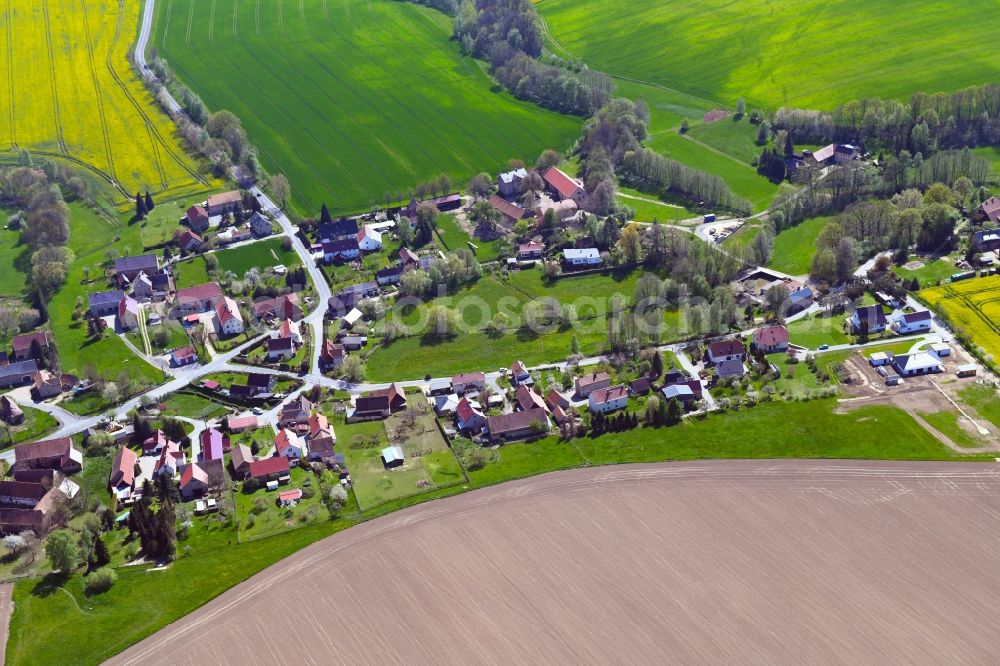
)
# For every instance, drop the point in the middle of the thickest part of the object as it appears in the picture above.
(971, 307)
(67, 90)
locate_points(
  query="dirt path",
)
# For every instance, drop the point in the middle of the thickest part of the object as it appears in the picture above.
(706, 562)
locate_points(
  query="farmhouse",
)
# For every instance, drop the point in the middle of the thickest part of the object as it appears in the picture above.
(920, 363)
(189, 241)
(151, 287)
(369, 240)
(194, 482)
(128, 313)
(563, 186)
(57, 454)
(10, 412)
(342, 228)
(517, 425)
(260, 225)
(285, 306)
(913, 322)
(394, 393)
(197, 218)
(331, 355)
(228, 320)
(392, 456)
(18, 373)
(241, 457)
(987, 240)
(511, 212)
(171, 458)
(220, 204)
(727, 350)
(588, 256)
(369, 409)
(564, 210)
(824, 156)
(555, 399)
(45, 385)
(468, 417)
(528, 399)
(608, 399)
(509, 183)
(530, 250)
(127, 268)
(990, 209)
(587, 384)
(121, 483)
(197, 299)
(269, 469)
(288, 444)
(295, 411)
(321, 438)
(105, 303)
(342, 249)
(870, 319)
(770, 339)
(470, 381)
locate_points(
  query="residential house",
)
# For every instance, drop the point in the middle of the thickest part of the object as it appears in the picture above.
(555, 399)
(990, 209)
(128, 313)
(171, 458)
(517, 425)
(511, 212)
(469, 381)
(408, 258)
(18, 373)
(128, 268)
(10, 412)
(869, 319)
(639, 386)
(468, 417)
(45, 385)
(368, 239)
(194, 482)
(153, 444)
(395, 395)
(519, 374)
(439, 387)
(390, 275)
(730, 367)
(197, 299)
(530, 250)
(220, 204)
(799, 300)
(369, 409)
(57, 454)
(608, 399)
(587, 384)
(342, 228)
(288, 444)
(919, 363)
(770, 339)
(197, 218)
(294, 411)
(241, 457)
(392, 456)
(151, 287)
(331, 355)
(349, 297)
(285, 306)
(824, 156)
(582, 256)
(122, 480)
(509, 182)
(986, 240)
(183, 356)
(280, 349)
(189, 241)
(238, 424)
(682, 393)
(353, 342)
(342, 249)
(527, 399)
(913, 322)
(726, 350)
(228, 319)
(105, 303)
(563, 186)
(845, 153)
(269, 469)
(22, 344)
(260, 226)
(213, 444)
(564, 210)
(446, 404)
(290, 329)
(322, 439)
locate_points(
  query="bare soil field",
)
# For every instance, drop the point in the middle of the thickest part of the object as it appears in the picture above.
(749, 562)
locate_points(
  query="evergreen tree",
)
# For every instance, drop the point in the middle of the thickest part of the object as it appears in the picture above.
(657, 363)
(674, 412)
(100, 556)
(324, 215)
(149, 202)
(140, 206)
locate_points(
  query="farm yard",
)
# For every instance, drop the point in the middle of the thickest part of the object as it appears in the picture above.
(972, 308)
(888, 50)
(336, 99)
(69, 93)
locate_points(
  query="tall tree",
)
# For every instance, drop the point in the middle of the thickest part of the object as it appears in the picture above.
(140, 206)
(149, 202)
(324, 215)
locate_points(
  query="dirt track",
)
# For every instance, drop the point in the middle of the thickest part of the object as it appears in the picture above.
(779, 562)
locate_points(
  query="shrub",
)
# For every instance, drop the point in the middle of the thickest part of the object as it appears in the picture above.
(101, 580)
(259, 506)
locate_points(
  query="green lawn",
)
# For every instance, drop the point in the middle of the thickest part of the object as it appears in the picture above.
(36, 425)
(453, 237)
(159, 226)
(647, 211)
(15, 257)
(256, 523)
(262, 254)
(723, 50)
(193, 406)
(811, 332)
(347, 112)
(735, 137)
(984, 400)
(932, 273)
(947, 423)
(175, 336)
(795, 246)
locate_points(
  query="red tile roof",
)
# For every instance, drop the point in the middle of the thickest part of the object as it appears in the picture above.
(22, 343)
(123, 469)
(468, 378)
(512, 211)
(731, 347)
(227, 309)
(593, 378)
(562, 183)
(290, 495)
(528, 399)
(465, 410)
(199, 292)
(193, 472)
(768, 336)
(268, 466)
(601, 396)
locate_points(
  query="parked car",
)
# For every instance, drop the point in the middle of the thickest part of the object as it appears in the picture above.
(824, 346)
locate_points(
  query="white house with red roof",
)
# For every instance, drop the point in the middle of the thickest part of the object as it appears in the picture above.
(228, 319)
(194, 481)
(770, 339)
(197, 299)
(290, 329)
(122, 479)
(530, 250)
(469, 417)
(726, 350)
(519, 373)
(289, 445)
(468, 381)
(608, 399)
(171, 458)
(128, 313)
(564, 186)
(369, 240)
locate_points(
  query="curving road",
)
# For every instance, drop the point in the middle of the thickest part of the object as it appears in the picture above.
(706, 562)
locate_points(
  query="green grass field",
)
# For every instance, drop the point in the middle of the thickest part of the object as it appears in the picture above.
(983, 399)
(14, 256)
(352, 100)
(781, 52)
(794, 247)
(453, 237)
(811, 332)
(932, 273)
(262, 254)
(948, 424)
(36, 424)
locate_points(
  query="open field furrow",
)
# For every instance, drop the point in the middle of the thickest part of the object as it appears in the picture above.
(7, 73)
(52, 76)
(98, 95)
(211, 23)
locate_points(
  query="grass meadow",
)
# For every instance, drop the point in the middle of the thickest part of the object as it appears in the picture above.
(69, 92)
(352, 100)
(805, 53)
(795, 246)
